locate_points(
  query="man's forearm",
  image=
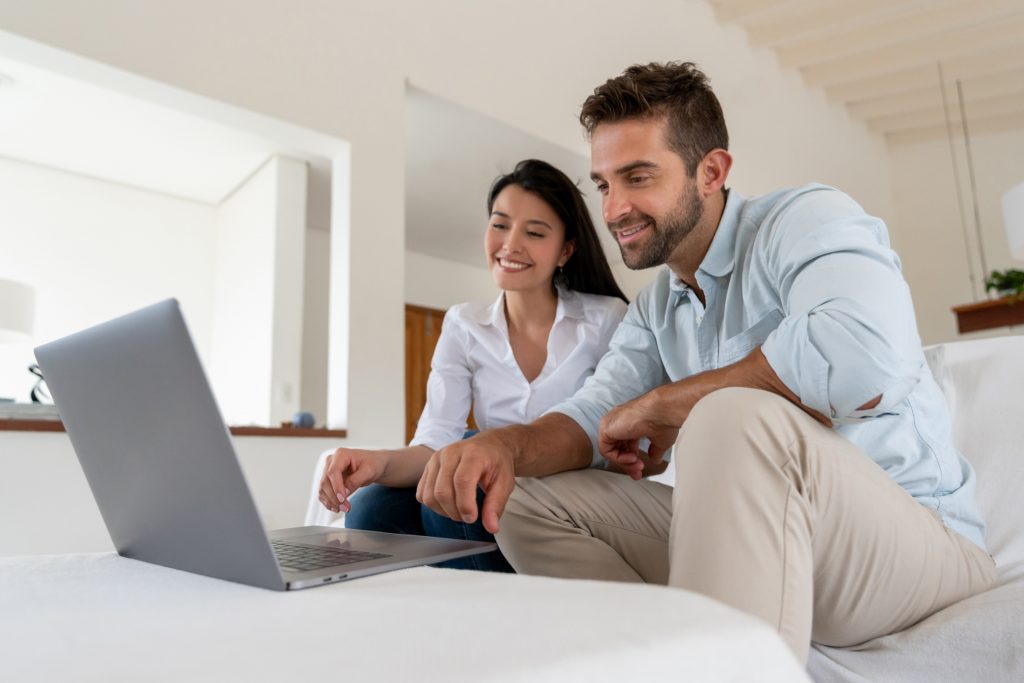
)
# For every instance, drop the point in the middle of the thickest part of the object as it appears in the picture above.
(550, 444)
(752, 372)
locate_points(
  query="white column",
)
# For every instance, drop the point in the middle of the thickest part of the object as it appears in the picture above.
(255, 359)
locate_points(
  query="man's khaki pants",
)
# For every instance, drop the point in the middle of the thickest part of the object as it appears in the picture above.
(772, 513)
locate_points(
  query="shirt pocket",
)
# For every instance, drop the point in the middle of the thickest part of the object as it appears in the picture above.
(739, 346)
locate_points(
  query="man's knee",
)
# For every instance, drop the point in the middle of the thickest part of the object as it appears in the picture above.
(517, 503)
(522, 507)
(729, 426)
(538, 498)
(737, 405)
(514, 528)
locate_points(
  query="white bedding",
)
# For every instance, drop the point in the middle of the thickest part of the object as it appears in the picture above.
(106, 618)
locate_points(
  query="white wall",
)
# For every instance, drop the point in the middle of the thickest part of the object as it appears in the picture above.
(289, 288)
(95, 250)
(931, 236)
(46, 505)
(255, 357)
(243, 299)
(341, 68)
(258, 295)
(440, 283)
(315, 333)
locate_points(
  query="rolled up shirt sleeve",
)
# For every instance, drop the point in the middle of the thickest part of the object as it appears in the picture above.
(631, 367)
(449, 390)
(849, 333)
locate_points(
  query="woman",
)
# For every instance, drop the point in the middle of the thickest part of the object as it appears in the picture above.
(512, 360)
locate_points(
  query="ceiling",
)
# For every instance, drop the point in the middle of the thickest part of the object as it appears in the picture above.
(881, 58)
(61, 122)
(53, 120)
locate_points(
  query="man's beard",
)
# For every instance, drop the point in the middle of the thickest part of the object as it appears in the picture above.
(665, 235)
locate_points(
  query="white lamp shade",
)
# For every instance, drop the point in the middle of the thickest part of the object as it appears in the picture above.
(1013, 219)
(17, 310)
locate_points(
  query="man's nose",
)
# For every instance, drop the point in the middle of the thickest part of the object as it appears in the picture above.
(614, 206)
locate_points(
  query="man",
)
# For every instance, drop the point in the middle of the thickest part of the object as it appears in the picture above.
(817, 485)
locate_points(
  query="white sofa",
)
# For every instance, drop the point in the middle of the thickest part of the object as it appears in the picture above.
(982, 638)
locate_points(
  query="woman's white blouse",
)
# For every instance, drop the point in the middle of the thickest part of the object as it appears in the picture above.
(473, 362)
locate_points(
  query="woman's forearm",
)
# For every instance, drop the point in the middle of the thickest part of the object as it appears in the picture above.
(404, 466)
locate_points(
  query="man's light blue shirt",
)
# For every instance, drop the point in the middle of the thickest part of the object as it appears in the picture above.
(809, 277)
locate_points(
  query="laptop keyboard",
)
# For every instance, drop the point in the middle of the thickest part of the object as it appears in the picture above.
(299, 557)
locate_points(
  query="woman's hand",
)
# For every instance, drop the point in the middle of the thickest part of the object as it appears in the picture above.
(346, 470)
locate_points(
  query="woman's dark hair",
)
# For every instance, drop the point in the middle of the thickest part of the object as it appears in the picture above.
(587, 269)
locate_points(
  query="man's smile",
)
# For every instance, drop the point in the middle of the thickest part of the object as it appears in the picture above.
(626, 235)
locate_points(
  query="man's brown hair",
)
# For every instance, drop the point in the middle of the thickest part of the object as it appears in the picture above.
(678, 90)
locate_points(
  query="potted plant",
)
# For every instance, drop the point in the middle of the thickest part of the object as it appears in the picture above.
(1007, 283)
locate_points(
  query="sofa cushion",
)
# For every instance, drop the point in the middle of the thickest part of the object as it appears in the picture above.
(977, 638)
(980, 379)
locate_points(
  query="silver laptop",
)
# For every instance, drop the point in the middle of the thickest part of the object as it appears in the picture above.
(159, 459)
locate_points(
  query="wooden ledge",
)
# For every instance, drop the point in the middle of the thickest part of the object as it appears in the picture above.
(984, 315)
(289, 431)
(58, 426)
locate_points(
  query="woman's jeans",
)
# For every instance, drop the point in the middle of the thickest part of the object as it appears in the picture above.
(396, 511)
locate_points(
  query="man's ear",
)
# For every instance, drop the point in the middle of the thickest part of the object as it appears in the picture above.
(567, 251)
(713, 171)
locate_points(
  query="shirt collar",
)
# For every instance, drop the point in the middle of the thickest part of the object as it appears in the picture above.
(570, 305)
(721, 256)
(495, 313)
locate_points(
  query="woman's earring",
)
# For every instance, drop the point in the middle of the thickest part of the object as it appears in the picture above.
(560, 278)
